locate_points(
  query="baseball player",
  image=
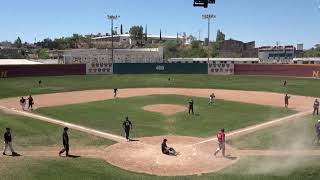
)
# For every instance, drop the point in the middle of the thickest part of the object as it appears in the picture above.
(65, 142)
(317, 128)
(286, 100)
(30, 102)
(285, 83)
(22, 103)
(212, 96)
(221, 143)
(168, 150)
(127, 126)
(191, 106)
(8, 142)
(316, 107)
(115, 90)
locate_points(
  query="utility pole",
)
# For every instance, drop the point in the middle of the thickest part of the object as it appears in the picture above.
(209, 17)
(112, 18)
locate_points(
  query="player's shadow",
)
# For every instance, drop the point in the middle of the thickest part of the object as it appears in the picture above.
(73, 156)
(14, 155)
(231, 157)
(132, 140)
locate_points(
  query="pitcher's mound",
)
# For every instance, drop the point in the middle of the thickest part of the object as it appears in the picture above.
(166, 109)
(145, 156)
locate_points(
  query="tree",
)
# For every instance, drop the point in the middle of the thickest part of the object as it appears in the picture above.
(313, 52)
(191, 38)
(195, 44)
(42, 53)
(220, 36)
(170, 49)
(18, 43)
(136, 34)
(214, 50)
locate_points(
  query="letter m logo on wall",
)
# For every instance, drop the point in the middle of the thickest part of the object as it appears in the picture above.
(315, 74)
(4, 74)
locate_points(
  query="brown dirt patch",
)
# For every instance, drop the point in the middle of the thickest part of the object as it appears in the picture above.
(145, 156)
(299, 103)
(166, 109)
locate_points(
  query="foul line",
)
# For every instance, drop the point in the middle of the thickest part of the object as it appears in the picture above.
(69, 125)
(258, 127)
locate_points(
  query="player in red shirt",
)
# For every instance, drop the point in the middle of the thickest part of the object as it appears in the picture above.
(221, 143)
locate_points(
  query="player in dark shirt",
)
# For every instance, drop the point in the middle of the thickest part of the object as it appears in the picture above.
(127, 126)
(8, 142)
(191, 106)
(286, 100)
(316, 107)
(30, 102)
(65, 142)
(317, 127)
(40, 83)
(167, 150)
(22, 103)
(115, 90)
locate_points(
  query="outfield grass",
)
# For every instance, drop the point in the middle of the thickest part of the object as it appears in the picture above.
(13, 87)
(298, 134)
(29, 133)
(252, 168)
(108, 115)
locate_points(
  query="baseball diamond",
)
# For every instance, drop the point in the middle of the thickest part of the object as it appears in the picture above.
(252, 112)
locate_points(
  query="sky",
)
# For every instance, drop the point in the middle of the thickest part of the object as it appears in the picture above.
(263, 21)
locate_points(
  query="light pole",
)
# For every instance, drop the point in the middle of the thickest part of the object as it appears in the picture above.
(209, 17)
(111, 18)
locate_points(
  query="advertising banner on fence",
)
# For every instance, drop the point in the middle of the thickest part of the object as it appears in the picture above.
(99, 68)
(220, 68)
(296, 70)
(42, 70)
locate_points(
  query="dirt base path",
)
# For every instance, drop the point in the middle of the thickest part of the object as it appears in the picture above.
(299, 103)
(145, 155)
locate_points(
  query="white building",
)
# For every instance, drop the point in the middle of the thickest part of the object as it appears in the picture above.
(311, 60)
(18, 62)
(85, 56)
(125, 39)
(216, 60)
(276, 54)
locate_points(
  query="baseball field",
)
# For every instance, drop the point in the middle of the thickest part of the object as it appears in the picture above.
(264, 139)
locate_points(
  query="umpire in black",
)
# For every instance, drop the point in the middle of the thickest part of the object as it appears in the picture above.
(127, 126)
(65, 141)
(191, 106)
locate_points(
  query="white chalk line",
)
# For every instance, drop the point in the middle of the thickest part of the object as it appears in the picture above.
(69, 125)
(121, 139)
(257, 127)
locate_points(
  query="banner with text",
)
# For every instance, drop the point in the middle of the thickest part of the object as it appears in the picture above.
(220, 68)
(99, 68)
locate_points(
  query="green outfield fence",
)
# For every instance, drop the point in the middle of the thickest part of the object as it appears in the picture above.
(160, 68)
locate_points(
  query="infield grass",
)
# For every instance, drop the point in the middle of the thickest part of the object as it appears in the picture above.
(253, 168)
(29, 133)
(23, 86)
(108, 115)
(294, 135)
